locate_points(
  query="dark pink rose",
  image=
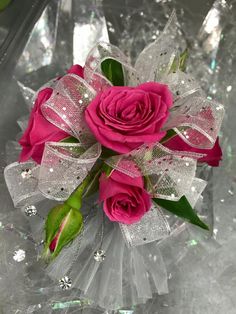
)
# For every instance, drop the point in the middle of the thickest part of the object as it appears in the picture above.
(125, 199)
(77, 69)
(123, 118)
(212, 158)
(40, 130)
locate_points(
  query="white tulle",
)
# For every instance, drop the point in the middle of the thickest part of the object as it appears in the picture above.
(126, 277)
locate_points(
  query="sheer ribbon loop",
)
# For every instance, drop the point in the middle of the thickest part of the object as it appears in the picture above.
(64, 166)
(65, 108)
(197, 121)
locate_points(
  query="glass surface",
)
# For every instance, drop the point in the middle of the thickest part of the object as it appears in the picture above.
(201, 269)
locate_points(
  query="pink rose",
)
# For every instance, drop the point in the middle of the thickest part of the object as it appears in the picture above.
(40, 130)
(123, 118)
(125, 199)
(212, 158)
(77, 69)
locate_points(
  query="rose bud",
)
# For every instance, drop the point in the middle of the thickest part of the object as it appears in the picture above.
(63, 224)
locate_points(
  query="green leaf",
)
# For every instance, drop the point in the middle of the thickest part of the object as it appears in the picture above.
(79, 150)
(107, 153)
(62, 221)
(180, 62)
(70, 139)
(4, 4)
(182, 209)
(113, 71)
(169, 134)
(107, 169)
(183, 60)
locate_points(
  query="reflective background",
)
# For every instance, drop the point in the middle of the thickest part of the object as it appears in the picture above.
(37, 44)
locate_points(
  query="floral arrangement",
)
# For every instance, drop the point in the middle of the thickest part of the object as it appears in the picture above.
(127, 139)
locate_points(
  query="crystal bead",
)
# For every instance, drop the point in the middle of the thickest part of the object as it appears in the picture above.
(30, 210)
(19, 255)
(26, 173)
(65, 283)
(99, 255)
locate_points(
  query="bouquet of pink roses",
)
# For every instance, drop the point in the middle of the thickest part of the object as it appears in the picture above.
(130, 137)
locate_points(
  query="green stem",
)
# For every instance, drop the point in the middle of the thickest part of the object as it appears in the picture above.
(75, 199)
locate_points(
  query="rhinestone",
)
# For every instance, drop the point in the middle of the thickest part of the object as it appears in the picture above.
(65, 283)
(99, 255)
(26, 173)
(86, 95)
(19, 255)
(30, 210)
(40, 243)
(219, 107)
(229, 88)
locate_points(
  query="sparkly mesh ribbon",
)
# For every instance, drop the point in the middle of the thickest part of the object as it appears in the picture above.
(92, 70)
(66, 106)
(155, 60)
(169, 174)
(197, 121)
(22, 183)
(153, 226)
(64, 166)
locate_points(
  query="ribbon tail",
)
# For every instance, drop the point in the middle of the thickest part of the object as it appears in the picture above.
(152, 227)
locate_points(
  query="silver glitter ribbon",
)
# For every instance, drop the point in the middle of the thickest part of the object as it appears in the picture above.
(92, 70)
(23, 188)
(171, 174)
(155, 60)
(66, 106)
(64, 166)
(153, 226)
